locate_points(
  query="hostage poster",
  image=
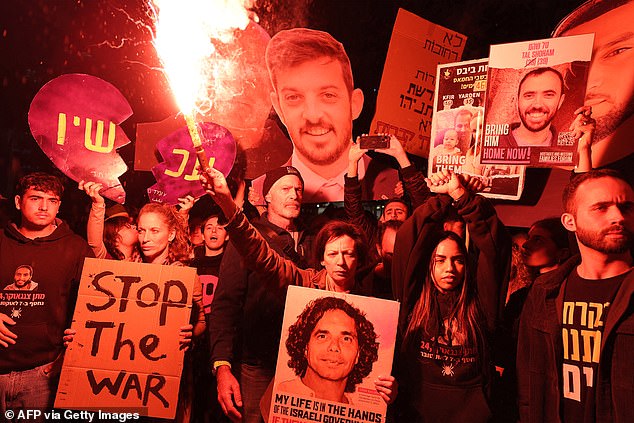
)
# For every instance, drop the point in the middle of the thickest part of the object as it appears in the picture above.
(457, 130)
(534, 88)
(332, 349)
(126, 355)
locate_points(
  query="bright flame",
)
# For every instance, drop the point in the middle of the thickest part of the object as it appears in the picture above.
(187, 33)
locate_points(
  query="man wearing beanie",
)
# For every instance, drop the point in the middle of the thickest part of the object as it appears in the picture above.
(246, 317)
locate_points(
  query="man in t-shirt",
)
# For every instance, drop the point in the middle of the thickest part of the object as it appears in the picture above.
(31, 328)
(576, 329)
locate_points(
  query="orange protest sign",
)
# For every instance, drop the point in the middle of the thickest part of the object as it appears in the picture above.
(125, 355)
(405, 101)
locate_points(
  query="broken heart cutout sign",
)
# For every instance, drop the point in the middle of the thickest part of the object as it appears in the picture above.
(177, 175)
(75, 120)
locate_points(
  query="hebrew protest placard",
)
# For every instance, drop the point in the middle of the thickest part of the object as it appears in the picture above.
(458, 130)
(75, 119)
(404, 105)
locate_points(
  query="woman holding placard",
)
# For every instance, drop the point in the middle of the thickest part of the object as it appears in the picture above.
(452, 301)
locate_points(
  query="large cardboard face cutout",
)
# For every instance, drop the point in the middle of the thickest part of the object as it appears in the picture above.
(610, 89)
(75, 120)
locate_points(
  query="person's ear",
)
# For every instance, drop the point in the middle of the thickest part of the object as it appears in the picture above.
(17, 202)
(356, 102)
(267, 197)
(172, 235)
(568, 221)
(275, 100)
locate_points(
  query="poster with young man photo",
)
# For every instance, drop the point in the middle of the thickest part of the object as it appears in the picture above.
(534, 89)
(333, 349)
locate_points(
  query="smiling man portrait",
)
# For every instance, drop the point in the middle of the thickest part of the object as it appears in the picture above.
(332, 347)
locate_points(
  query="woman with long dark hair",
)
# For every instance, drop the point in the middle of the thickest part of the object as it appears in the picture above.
(448, 308)
(452, 299)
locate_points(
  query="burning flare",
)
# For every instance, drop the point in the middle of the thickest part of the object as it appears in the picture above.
(187, 36)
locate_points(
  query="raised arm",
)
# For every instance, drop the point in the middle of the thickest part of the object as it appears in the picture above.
(353, 193)
(96, 217)
(413, 179)
(583, 127)
(256, 252)
(487, 234)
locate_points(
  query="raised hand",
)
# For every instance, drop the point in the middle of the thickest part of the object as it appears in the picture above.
(396, 150)
(214, 182)
(583, 127)
(92, 189)
(446, 182)
(186, 203)
(354, 155)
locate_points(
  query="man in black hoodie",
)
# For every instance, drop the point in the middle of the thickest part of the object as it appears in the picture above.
(32, 322)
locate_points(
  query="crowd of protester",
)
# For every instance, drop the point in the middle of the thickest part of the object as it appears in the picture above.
(462, 287)
(494, 324)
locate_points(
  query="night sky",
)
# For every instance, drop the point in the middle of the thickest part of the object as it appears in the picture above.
(42, 39)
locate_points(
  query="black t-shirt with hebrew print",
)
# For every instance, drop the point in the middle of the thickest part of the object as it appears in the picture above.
(586, 306)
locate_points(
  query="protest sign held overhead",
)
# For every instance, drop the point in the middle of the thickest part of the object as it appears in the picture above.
(75, 120)
(457, 130)
(317, 383)
(534, 88)
(238, 99)
(126, 353)
(177, 176)
(406, 95)
(610, 88)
